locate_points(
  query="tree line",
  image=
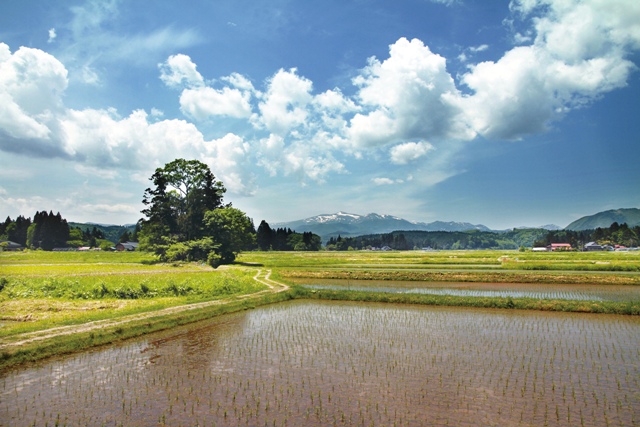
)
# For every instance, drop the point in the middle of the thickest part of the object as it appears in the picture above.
(48, 231)
(440, 240)
(281, 239)
(616, 234)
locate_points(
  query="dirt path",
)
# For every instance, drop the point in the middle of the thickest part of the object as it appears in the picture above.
(261, 276)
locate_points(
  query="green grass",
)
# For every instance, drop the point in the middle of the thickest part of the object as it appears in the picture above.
(443, 260)
(89, 257)
(608, 307)
(47, 289)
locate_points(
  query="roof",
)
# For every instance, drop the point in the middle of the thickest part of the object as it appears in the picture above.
(11, 245)
(129, 245)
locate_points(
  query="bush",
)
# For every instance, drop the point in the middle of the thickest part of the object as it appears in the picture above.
(193, 250)
(214, 259)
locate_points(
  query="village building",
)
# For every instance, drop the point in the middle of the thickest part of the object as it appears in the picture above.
(8, 245)
(127, 246)
(593, 246)
(559, 247)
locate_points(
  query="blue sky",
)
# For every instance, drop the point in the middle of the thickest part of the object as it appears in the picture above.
(494, 112)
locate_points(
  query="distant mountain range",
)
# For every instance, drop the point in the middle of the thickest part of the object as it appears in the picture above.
(604, 219)
(351, 225)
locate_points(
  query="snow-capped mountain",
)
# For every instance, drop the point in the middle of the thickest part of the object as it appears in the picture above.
(349, 225)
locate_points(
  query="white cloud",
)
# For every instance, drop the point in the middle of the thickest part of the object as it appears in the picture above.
(31, 86)
(52, 35)
(179, 71)
(229, 157)
(199, 101)
(300, 162)
(284, 104)
(239, 81)
(383, 181)
(204, 102)
(409, 96)
(90, 76)
(480, 48)
(404, 153)
(579, 53)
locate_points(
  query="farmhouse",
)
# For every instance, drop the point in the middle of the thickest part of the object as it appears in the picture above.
(593, 246)
(559, 247)
(127, 246)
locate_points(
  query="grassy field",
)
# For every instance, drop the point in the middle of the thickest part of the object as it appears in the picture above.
(44, 290)
(457, 266)
(41, 290)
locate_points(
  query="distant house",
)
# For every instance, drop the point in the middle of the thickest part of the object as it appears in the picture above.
(540, 249)
(8, 245)
(127, 246)
(593, 246)
(559, 247)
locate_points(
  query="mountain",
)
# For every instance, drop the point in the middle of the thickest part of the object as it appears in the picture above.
(350, 225)
(604, 219)
(111, 232)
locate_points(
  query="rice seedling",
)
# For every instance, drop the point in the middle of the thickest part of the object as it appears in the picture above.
(321, 363)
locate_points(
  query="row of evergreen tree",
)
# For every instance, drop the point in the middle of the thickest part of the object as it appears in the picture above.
(48, 231)
(281, 239)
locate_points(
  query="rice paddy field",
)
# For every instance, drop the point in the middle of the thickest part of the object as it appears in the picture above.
(326, 363)
(319, 362)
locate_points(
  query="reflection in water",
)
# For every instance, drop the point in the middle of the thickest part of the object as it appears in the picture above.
(320, 363)
(618, 293)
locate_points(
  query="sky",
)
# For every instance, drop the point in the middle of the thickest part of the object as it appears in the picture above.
(502, 113)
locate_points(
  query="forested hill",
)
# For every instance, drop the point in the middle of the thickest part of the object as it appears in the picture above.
(472, 239)
(110, 232)
(630, 216)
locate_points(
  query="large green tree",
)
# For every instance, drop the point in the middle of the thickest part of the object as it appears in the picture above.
(232, 229)
(183, 190)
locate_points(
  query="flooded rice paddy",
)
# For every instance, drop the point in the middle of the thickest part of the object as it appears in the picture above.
(617, 293)
(327, 363)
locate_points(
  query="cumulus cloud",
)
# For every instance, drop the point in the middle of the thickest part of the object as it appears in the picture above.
(283, 106)
(402, 154)
(179, 71)
(409, 95)
(579, 52)
(31, 86)
(205, 102)
(199, 101)
(229, 158)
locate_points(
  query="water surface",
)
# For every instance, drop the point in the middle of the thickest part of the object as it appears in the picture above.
(327, 363)
(617, 293)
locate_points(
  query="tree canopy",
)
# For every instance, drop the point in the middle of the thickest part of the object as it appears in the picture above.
(184, 191)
